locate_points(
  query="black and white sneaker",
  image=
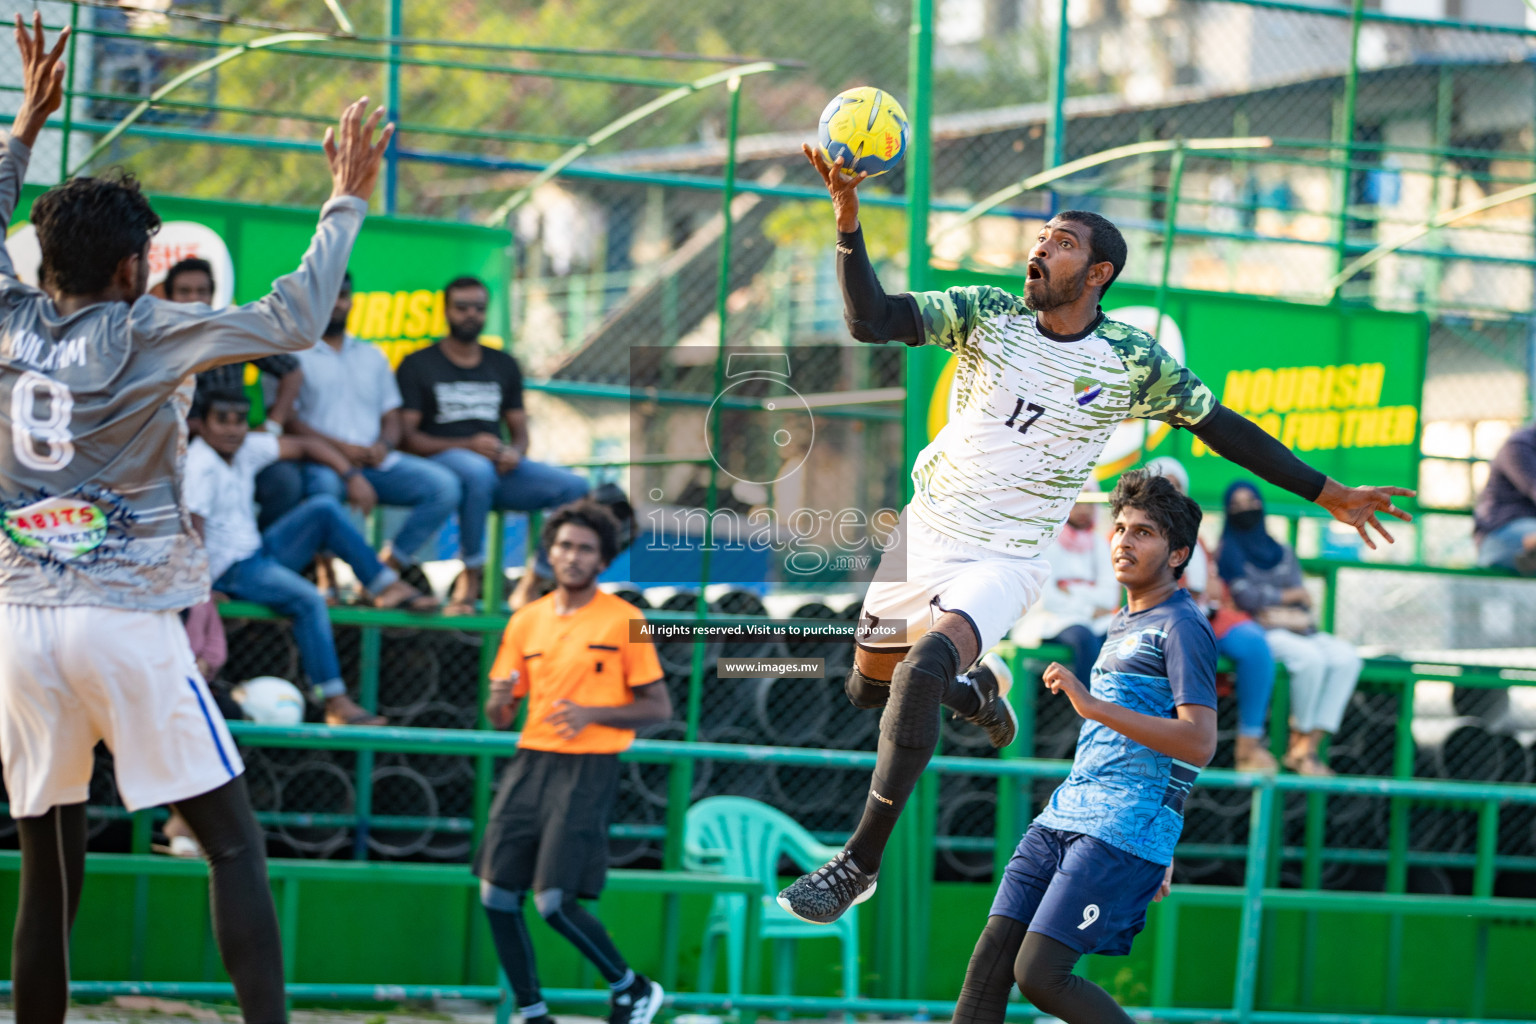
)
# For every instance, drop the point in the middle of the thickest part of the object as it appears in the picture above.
(993, 680)
(637, 1004)
(822, 896)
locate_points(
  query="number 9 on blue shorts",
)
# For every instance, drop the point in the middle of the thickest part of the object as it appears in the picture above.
(1078, 890)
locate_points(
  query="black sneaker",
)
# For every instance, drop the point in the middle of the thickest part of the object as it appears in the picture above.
(822, 896)
(637, 1004)
(993, 680)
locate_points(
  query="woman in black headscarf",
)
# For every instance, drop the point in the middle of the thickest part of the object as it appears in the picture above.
(1264, 580)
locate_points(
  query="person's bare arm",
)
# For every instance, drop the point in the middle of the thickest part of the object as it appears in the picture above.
(390, 432)
(517, 449)
(652, 704)
(288, 386)
(419, 442)
(197, 527)
(1191, 737)
(359, 491)
(354, 453)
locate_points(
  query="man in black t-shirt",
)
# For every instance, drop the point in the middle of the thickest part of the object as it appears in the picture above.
(457, 395)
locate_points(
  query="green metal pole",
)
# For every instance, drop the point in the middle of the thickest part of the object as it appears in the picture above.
(920, 145)
(1346, 129)
(392, 108)
(901, 921)
(1170, 230)
(1056, 128)
(680, 779)
(69, 93)
(370, 647)
(1261, 821)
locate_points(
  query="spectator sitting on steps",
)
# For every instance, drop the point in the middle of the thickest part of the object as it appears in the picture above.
(350, 400)
(1264, 579)
(263, 566)
(458, 395)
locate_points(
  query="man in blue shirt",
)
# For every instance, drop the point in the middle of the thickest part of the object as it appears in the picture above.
(1090, 863)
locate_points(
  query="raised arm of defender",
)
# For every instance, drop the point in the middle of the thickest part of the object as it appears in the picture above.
(294, 314)
(42, 74)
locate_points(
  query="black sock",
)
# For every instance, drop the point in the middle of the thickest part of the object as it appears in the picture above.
(1044, 973)
(240, 899)
(567, 916)
(514, 948)
(909, 732)
(989, 978)
(52, 872)
(961, 697)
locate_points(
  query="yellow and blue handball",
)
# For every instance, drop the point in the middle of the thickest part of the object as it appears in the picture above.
(867, 128)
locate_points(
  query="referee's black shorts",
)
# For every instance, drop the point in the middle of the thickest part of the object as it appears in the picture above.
(549, 824)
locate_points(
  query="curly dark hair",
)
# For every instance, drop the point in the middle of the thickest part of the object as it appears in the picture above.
(1175, 514)
(1105, 242)
(87, 226)
(588, 513)
(190, 265)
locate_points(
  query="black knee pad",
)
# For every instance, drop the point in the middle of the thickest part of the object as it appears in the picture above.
(865, 693)
(918, 686)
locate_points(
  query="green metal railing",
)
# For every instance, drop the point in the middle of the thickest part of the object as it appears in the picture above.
(1254, 899)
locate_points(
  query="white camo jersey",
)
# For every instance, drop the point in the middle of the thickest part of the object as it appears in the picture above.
(92, 421)
(1032, 414)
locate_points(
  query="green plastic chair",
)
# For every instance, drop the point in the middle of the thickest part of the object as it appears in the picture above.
(737, 836)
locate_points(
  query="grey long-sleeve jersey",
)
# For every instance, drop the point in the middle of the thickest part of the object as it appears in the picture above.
(92, 421)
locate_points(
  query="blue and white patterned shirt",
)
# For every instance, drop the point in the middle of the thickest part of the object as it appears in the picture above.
(1121, 792)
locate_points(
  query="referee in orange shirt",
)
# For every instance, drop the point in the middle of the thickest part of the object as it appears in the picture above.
(588, 686)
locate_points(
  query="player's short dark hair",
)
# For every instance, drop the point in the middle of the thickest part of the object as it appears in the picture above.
(87, 226)
(1105, 242)
(1175, 514)
(232, 398)
(190, 265)
(463, 281)
(588, 513)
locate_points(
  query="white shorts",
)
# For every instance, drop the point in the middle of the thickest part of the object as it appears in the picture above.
(72, 676)
(941, 575)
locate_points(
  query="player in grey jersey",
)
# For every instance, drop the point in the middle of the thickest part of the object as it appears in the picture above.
(97, 552)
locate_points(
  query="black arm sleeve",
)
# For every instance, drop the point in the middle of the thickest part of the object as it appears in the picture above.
(1238, 439)
(872, 315)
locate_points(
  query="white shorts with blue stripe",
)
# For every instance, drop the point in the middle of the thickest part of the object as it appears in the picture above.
(73, 676)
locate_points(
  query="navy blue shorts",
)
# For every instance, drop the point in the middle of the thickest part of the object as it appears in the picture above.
(1078, 890)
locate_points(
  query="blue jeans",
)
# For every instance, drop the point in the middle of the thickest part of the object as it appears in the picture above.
(1498, 549)
(1249, 652)
(428, 490)
(279, 489)
(529, 486)
(1086, 645)
(271, 577)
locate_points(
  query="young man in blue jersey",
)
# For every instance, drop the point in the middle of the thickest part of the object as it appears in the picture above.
(1083, 874)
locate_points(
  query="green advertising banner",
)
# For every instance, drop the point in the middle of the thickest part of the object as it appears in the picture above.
(399, 266)
(1340, 387)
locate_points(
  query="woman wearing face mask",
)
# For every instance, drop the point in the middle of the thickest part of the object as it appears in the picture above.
(1264, 580)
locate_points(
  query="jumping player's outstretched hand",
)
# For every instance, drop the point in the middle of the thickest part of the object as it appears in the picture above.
(1059, 679)
(842, 187)
(42, 71)
(354, 156)
(1358, 506)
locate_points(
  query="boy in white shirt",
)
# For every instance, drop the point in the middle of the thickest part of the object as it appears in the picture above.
(264, 567)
